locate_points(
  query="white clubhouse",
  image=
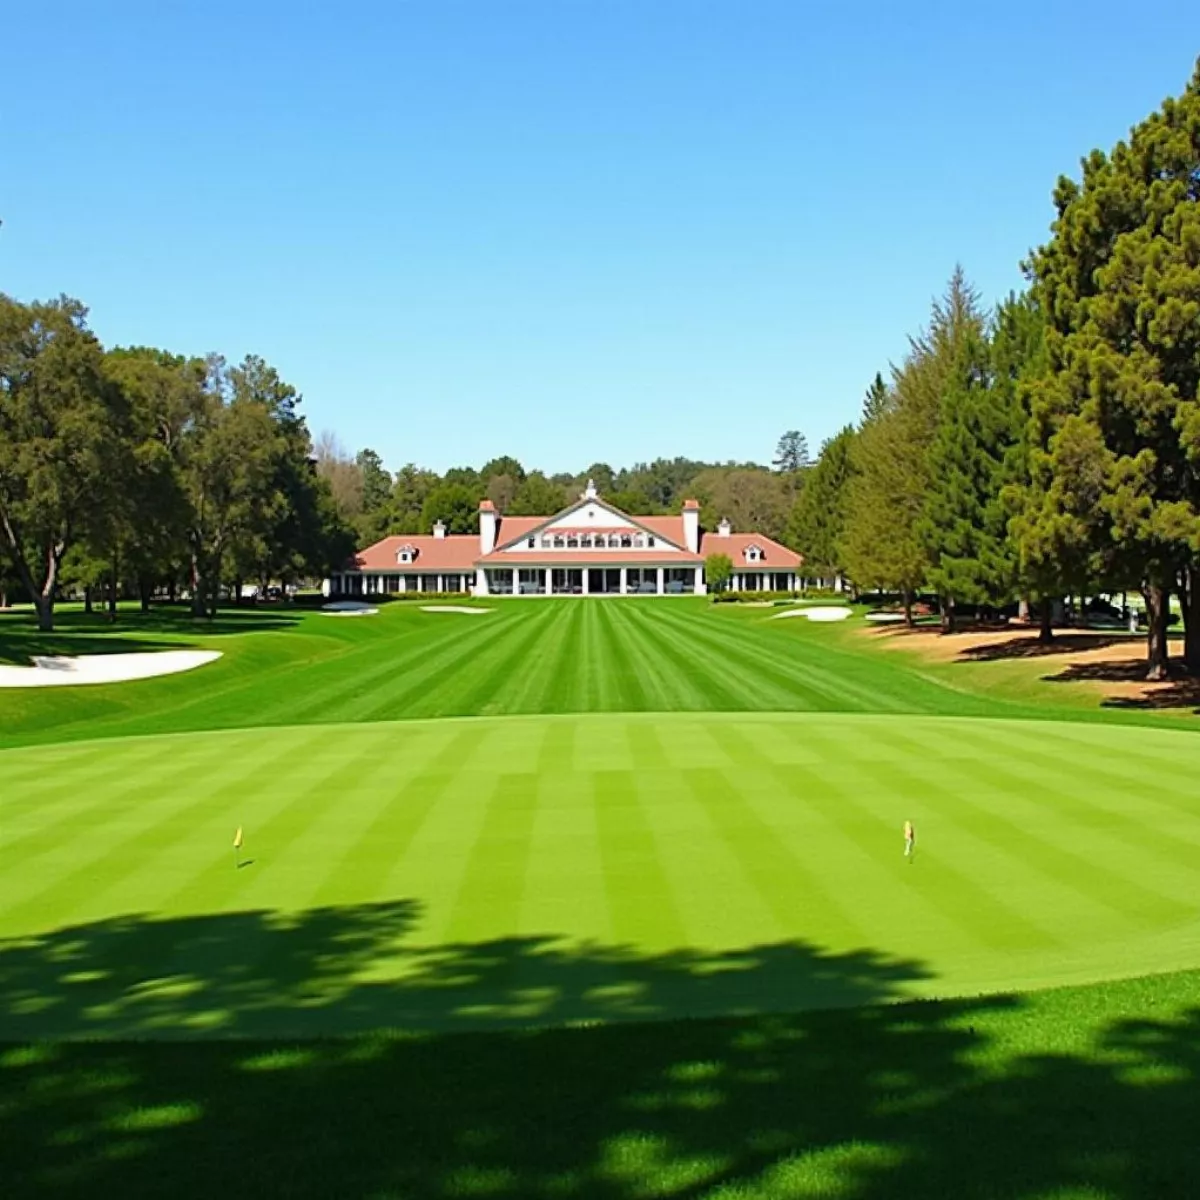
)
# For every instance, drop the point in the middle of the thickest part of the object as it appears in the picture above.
(590, 548)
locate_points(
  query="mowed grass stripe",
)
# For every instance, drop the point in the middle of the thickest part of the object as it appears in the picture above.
(642, 908)
(78, 883)
(631, 690)
(673, 688)
(32, 816)
(877, 882)
(716, 683)
(533, 687)
(395, 675)
(475, 692)
(493, 885)
(809, 688)
(799, 899)
(1130, 903)
(404, 788)
(1171, 856)
(643, 685)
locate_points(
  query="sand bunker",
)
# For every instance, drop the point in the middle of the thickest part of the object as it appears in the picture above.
(828, 612)
(453, 608)
(348, 608)
(885, 618)
(103, 668)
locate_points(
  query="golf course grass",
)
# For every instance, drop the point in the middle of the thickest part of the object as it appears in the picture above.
(491, 864)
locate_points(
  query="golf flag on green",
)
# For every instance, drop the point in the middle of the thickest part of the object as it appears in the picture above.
(237, 839)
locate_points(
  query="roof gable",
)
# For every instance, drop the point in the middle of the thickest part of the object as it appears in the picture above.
(587, 513)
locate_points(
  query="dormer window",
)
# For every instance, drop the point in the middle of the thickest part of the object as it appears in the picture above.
(532, 543)
(650, 542)
(406, 554)
(753, 554)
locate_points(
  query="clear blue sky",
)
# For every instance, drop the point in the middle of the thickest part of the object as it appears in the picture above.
(570, 231)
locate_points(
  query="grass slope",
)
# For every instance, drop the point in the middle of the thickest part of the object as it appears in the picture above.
(524, 657)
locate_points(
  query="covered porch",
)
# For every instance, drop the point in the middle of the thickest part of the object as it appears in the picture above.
(548, 580)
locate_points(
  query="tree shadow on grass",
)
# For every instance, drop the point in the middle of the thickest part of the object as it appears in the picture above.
(1029, 646)
(956, 1099)
(357, 969)
(1182, 691)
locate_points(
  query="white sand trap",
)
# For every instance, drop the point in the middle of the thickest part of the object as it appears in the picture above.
(885, 618)
(348, 608)
(454, 608)
(351, 612)
(829, 612)
(104, 668)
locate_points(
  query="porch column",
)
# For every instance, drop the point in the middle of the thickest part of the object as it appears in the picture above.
(660, 581)
(737, 582)
(585, 580)
(624, 581)
(699, 582)
(481, 588)
(440, 581)
(516, 587)
(549, 581)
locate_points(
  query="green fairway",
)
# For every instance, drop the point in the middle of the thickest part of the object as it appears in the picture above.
(464, 833)
(459, 874)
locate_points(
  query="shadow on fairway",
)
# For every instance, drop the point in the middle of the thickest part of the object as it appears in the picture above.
(907, 1100)
(354, 969)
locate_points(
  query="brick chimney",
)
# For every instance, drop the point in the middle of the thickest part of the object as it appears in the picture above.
(691, 525)
(487, 527)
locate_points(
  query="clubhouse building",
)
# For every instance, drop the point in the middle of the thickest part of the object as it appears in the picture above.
(590, 548)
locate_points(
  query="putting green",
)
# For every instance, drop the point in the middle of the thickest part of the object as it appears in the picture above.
(471, 873)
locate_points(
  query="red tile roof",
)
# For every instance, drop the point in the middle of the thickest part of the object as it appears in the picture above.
(460, 552)
(454, 552)
(774, 556)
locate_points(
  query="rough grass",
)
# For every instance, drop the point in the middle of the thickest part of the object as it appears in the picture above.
(474, 876)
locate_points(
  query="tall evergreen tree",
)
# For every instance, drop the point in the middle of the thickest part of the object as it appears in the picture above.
(875, 400)
(817, 525)
(1118, 413)
(791, 453)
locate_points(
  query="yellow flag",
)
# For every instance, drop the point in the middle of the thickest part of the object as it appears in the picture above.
(237, 839)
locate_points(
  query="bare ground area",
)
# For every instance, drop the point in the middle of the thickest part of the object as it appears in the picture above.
(1112, 663)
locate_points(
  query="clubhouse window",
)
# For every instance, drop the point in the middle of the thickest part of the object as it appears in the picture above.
(626, 541)
(572, 541)
(558, 541)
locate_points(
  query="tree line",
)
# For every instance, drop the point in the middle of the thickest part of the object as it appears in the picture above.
(1050, 446)
(137, 470)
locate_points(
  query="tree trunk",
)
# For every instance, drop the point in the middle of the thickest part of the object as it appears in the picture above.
(1191, 618)
(947, 607)
(112, 591)
(199, 583)
(145, 589)
(1158, 608)
(172, 590)
(45, 612)
(908, 607)
(1046, 620)
(87, 599)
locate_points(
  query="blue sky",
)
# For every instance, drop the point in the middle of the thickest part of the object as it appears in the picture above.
(570, 231)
